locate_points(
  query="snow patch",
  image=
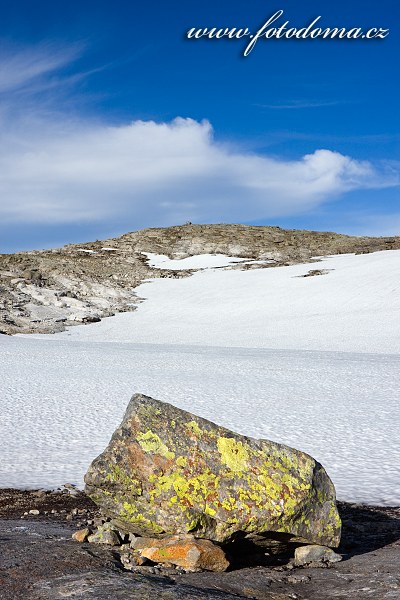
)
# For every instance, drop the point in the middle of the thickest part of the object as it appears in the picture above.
(200, 261)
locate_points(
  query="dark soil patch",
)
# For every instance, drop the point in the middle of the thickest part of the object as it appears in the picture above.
(13, 503)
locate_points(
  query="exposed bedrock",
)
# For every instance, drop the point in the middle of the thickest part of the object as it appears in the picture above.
(167, 472)
(45, 291)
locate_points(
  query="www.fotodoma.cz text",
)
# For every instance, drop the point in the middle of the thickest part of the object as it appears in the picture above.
(273, 30)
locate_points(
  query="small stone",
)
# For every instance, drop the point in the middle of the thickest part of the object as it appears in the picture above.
(34, 511)
(25, 513)
(105, 535)
(190, 554)
(314, 554)
(39, 493)
(68, 517)
(296, 579)
(69, 486)
(81, 535)
(132, 559)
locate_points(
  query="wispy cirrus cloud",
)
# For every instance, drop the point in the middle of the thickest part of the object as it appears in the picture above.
(24, 69)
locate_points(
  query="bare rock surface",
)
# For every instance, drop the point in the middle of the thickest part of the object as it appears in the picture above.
(40, 561)
(44, 291)
(167, 471)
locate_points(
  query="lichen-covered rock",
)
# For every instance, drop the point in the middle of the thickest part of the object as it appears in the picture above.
(185, 552)
(166, 471)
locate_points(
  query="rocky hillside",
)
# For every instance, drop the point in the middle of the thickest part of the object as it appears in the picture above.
(45, 291)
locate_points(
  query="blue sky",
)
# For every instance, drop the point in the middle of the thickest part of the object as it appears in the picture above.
(112, 120)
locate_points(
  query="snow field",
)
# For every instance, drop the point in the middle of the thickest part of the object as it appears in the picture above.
(355, 307)
(311, 362)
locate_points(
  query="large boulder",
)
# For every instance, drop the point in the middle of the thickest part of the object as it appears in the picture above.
(166, 471)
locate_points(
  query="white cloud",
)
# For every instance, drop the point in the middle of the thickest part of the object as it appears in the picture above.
(160, 172)
(57, 170)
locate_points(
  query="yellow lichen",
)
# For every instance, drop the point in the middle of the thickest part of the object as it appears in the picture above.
(130, 513)
(117, 475)
(233, 454)
(209, 511)
(193, 427)
(151, 442)
(229, 504)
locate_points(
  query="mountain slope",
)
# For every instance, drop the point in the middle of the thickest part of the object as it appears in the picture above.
(43, 291)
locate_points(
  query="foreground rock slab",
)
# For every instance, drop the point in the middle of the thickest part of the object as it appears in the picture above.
(166, 471)
(40, 561)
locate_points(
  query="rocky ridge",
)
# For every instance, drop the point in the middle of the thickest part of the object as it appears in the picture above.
(43, 291)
